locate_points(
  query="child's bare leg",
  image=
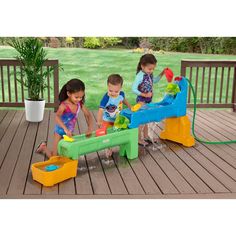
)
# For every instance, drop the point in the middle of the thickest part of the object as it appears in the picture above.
(141, 136)
(145, 131)
(108, 152)
(151, 135)
(141, 132)
(47, 152)
(56, 140)
(146, 134)
(44, 149)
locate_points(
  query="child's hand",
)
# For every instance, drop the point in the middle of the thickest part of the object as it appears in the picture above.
(88, 133)
(68, 133)
(162, 73)
(99, 124)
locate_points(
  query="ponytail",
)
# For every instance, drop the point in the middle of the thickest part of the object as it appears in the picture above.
(63, 94)
(139, 67)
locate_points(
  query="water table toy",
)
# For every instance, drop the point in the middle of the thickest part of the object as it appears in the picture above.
(172, 109)
(127, 139)
(68, 139)
(66, 169)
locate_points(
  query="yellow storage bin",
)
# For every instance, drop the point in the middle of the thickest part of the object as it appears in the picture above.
(55, 170)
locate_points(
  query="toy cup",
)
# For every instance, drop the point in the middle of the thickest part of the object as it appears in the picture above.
(169, 74)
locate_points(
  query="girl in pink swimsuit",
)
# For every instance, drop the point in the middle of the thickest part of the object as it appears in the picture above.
(71, 99)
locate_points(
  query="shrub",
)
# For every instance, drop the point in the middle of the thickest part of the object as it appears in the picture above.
(54, 43)
(69, 41)
(109, 41)
(45, 41)
(145, 43)
(130, 42)
(79, 42)
(91, 42)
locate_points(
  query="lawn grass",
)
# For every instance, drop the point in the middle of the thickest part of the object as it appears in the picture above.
(94, 66)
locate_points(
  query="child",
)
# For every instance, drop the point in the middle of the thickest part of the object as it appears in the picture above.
(72, 100)
(111, 104)
(143, 88)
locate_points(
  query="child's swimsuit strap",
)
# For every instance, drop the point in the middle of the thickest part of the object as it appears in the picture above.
(67, 106)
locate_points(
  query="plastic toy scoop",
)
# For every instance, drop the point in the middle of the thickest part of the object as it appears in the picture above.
(51, 168)
(68, 139)
(136, 107)
(169, 74)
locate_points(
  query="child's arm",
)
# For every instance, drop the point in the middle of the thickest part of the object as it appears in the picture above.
(157, 79)
(88, 118)
(58, 120)
(99, 117)
(137, 82)
(125, 101)
(102, 106)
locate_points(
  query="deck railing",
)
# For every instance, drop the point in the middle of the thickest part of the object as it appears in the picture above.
(214, 82)
(13, 92)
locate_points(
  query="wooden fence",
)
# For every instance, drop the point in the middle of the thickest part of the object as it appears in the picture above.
(13, 92)
(214, 82)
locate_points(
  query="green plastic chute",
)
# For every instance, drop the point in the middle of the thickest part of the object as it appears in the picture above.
(121, 122)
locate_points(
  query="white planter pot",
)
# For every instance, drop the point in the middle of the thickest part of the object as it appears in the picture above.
(34, 110)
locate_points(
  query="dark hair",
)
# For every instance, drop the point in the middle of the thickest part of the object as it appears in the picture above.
(72, 86)
(146, 59)
(115, 79)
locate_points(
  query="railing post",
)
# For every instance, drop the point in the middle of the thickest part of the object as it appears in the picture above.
(56, 86)
(183, 69)
(234, 91)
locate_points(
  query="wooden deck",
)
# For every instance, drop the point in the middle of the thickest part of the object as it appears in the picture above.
(203, 171)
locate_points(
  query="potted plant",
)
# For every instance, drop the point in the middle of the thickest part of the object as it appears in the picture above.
(32, 56)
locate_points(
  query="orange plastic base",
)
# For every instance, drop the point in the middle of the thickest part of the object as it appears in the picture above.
(178, 130)
(67, 169)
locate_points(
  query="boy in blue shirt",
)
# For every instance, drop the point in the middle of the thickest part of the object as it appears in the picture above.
(111, 103)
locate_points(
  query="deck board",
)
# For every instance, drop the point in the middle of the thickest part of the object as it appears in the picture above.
(8, 135)
(208, 134)
(207, 182)
(8, 166)
(5, 121)
(185, 181)
(33, 187)
(202, 171)
(19, 176)
(83, 184)
(143, 183)
(209, 161)
(97, 175)
(52, 190)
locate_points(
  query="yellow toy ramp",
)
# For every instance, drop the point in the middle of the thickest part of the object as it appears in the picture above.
(55, 170)
(136, 107)
(178, 130)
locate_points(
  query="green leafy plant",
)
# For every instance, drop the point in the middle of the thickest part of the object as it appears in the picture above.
(91, 42)
(101, 42)
(32, 57)
(109, 41)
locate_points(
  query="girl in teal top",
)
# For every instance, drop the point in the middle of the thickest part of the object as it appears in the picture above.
(143, 88)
